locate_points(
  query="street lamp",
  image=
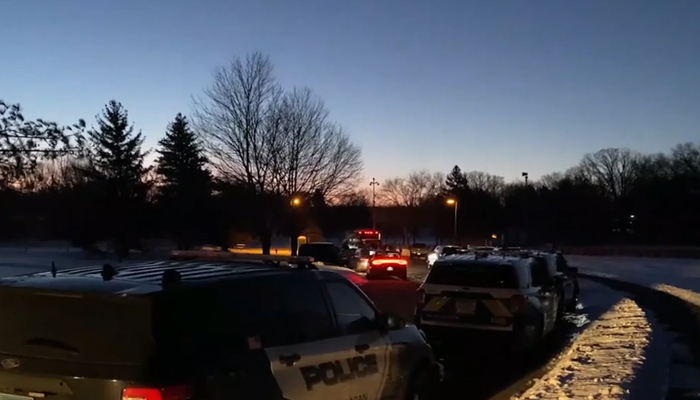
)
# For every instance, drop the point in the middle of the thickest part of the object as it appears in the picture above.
(295, 202)
(453, 202)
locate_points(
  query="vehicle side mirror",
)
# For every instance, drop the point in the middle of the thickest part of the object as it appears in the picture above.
(390, 322)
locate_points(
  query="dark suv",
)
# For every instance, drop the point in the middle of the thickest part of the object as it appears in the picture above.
(182, 330)
(325, 252)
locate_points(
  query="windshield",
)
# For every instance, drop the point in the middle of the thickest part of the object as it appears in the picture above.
(474, 275)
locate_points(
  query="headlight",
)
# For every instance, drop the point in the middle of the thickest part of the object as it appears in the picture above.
(432, 257)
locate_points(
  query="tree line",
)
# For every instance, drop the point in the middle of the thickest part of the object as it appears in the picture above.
(254, 159)
(612, 196)
(249, 151)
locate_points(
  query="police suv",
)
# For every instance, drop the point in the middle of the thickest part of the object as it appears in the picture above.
(250, 327)
(504, 296)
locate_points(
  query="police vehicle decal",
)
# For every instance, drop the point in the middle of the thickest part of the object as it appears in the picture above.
(498, 308)
(331, 373)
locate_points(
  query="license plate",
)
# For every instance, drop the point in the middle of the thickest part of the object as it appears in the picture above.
(7, 396)
(465, 306)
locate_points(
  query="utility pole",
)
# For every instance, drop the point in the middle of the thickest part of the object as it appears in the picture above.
(374, 184)
(526, 210)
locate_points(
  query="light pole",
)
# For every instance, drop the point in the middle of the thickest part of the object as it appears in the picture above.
(454, 203)
(294, 202)
(526, 209)
(374, 184)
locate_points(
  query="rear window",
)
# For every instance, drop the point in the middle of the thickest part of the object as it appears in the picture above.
(93, 328)
(473, 275)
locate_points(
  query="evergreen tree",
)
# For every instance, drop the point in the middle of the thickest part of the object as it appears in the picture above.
(181, 162)
(116, 157)
(456, 180)
(116, 169)
(186, 183)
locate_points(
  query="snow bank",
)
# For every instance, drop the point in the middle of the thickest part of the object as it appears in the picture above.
(606, 360)
(651, 272)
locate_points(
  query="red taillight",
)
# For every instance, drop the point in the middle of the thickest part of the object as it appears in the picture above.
(517, 303)
(421, 296)
(180, 392)
(392, 261)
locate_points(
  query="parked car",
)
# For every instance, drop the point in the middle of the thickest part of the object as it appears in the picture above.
(420, 250)
(325, 252)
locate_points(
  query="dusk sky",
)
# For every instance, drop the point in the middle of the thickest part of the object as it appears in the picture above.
(498, 86)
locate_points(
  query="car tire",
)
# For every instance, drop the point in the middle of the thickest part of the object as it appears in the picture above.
(420, 386)
(571, 306)
(562, 307)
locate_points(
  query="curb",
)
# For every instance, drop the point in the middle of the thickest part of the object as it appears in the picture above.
(683, 316)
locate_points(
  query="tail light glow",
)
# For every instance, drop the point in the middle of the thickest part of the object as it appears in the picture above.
(391, 261)
(180, 392)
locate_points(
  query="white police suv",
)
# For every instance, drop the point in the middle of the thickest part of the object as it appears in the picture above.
(472, 295)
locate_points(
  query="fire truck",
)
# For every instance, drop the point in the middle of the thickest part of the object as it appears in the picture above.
(364, 238)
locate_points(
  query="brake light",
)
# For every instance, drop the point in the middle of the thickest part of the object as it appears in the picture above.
(517, 303)
(421, 296)
(180, 392)
(392, 261)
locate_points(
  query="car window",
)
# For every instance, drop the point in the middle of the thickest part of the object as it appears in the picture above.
(473, 274)
(353, 313)
(277, 312)
(538, 270)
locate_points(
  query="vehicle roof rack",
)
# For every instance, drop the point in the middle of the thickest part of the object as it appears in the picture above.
(227, 256)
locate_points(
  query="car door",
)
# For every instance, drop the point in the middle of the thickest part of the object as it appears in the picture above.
(307, 355)
(367, 346)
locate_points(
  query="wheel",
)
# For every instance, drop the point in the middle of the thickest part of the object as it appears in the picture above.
(404, 276)
(530, 339)
(571, 306)
(421, 386)
(561, 308)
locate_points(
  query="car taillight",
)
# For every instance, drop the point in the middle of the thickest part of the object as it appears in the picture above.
(392, 261)
(421, 296)
(180, 392)
(517, 303)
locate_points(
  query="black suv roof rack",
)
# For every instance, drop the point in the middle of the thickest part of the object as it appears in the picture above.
(227, 256)
(172, 276)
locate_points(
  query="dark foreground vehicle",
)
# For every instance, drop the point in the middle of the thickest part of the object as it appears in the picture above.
(325, 252)
(189, 330)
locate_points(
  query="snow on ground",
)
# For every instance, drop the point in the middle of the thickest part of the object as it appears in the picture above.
(681, 273)
(622, 355)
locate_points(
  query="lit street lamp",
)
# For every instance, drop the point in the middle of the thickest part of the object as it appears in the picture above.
(453, 202)
(295, 202)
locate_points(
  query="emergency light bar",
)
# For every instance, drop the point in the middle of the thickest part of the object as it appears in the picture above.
(228, 256)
